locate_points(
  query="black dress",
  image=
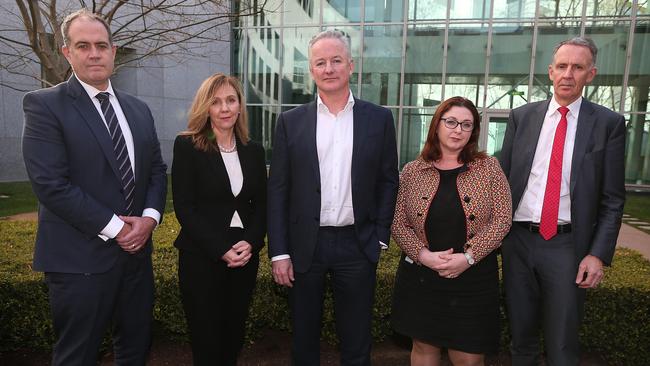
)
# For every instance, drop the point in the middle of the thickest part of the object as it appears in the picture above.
(460, 313)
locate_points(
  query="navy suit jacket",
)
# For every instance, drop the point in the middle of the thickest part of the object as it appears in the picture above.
(597, 183)
(294, 182)
(72, 167)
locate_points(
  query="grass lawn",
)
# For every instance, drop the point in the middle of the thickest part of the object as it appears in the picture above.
(17, 197)
(638, 205)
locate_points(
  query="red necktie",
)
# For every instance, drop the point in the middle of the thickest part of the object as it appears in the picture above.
(548, 221)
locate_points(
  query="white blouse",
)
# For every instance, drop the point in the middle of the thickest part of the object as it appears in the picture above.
(236, 177)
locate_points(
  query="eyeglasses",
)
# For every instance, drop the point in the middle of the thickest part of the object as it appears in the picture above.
(451, 123)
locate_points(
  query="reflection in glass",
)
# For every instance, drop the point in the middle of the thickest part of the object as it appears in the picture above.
(639, 82)
(383, 10)
(297, 85)
(423, 69)
(514, 9)
(382, 59)
(261, 125)
(341, 11)
(637, 155)
(415, 126)
(496, 132)
(560, 8)
(609, 8)
(509, 66)
(466, 54)
(301, 11)
(427, 9)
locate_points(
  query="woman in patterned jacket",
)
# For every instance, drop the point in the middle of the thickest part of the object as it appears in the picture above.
(453, 210)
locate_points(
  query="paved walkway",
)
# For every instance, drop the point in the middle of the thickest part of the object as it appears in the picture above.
(633, 238)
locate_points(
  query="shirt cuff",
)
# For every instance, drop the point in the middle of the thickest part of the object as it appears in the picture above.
(383, 245)
(280, 257)
(153, 213)
(111, 229)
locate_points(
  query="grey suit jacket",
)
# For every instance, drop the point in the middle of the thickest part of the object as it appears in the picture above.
(72, 167)
(597, 183)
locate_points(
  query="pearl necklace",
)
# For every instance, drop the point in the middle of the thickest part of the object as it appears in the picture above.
(227, 150)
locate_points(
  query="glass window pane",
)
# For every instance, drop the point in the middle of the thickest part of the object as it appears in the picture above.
(514, 9)
(427, 9)
(382, 62)
(423, 68)
(466, 54)
(415, 127)
(237, 62)
(297, 85)
(608, 8)
(470, 9)
(549, 35)
(560, 8)
(637, 154)
(495, 134)
(301, 12)
(261, 125)
(509, 66)
(639, 82)
(341, 11)
(384, 10)
(262, 64)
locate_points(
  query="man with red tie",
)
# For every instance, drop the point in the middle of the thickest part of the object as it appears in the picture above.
(564, 159)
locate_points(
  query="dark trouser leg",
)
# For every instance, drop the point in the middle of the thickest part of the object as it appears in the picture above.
(239, 286)
(562, 301)
(81, 307)
(197, 277)
(522, 297)
(133, 312)
(306, 301)
(353, 282)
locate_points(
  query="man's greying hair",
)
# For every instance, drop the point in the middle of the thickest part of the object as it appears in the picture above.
(580, 41)
(332, 34)
(83, 13)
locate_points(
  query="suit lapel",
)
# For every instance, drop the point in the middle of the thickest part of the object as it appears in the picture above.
(218, 167)
(360, 129)
(312, 112)
(81, 101)
(583, 132)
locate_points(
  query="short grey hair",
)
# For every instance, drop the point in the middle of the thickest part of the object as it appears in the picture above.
(83, 13)
(582, 42)
(332, 34)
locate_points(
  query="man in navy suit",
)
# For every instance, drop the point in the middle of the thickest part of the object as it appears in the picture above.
(564, 159)
(331, 196)
(93, 158)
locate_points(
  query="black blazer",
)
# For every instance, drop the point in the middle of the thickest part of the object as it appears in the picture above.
(597, 183)
(204, 202)
(294, 182)
(71, 164)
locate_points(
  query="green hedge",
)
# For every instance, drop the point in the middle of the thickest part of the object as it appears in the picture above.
(616, 325)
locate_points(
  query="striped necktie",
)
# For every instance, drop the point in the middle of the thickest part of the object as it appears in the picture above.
(121, 152)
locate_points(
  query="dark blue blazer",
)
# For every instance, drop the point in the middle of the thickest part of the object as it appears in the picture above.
(597, 183)
(294, 182)
(72, 167)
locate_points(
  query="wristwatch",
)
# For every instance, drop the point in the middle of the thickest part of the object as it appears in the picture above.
(470, 259)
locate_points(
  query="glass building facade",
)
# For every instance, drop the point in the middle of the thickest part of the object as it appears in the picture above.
(410, 55)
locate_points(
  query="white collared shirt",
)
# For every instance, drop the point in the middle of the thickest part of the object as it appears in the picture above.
(114, 226)
(530, 206)
(334, 141)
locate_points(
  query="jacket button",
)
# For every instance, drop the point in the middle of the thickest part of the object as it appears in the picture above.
(471, 217)
(425, 198)
(316, 218)
(318, 190)
(466, 199)
(419, 214)
(471, 235)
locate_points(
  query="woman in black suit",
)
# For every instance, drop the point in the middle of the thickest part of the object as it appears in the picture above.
(219, 189)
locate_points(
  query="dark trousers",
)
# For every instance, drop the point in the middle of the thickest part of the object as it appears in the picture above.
(540, 287)
(216, 300)
(353, 282)
(83, 306)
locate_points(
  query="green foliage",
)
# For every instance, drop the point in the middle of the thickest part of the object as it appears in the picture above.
(616, 322)
(16, 197)
(638, 205)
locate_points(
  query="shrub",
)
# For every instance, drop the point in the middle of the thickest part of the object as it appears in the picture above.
(616, 323)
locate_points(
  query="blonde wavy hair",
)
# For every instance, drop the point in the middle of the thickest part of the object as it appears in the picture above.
(198, 125)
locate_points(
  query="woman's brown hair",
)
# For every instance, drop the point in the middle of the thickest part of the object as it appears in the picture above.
(469, 153)
(198, 125)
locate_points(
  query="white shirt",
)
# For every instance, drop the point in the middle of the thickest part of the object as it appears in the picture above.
(236, 178)
(530, 206)
(114, 226)
(334, 141)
